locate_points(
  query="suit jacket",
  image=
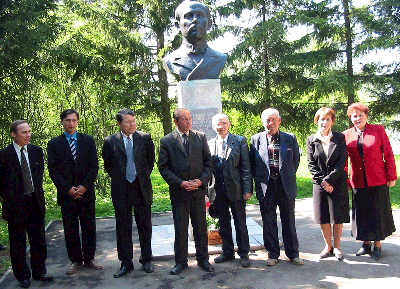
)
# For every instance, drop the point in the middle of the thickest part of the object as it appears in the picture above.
(12, 185)
(328, 168)
(378, 161)
(176, 166)
(67, 173)
(236, 168)
(114, 155)
(289, 159)
(184, 68)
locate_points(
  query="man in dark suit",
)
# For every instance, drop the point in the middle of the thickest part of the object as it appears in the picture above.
(275, 157)
(233, 187)
(185, 164)
(21, 178)
(73, 167)
(194, 59)
(129, 159)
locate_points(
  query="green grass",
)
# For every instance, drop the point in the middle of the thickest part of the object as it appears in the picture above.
(161, 202)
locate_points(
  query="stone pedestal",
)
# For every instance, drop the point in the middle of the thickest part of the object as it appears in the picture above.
(203, 99)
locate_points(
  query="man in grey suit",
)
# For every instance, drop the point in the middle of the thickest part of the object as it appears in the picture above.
(194, 59)
(185, 164)
(275, 158)
(233, 187)
(129, 158)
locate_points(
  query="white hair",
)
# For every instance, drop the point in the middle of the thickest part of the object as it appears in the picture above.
(217, 117)
(268, 112)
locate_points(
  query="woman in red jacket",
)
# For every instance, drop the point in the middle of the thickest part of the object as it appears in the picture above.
(372, 172)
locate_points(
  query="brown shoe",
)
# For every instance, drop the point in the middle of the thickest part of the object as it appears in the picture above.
(297, 261)
(74, 267)
(93, 265)
(272, 262)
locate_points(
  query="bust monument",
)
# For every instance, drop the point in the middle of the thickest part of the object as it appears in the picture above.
(194, 59)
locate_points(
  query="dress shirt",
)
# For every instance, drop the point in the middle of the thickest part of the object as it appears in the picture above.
(125, 137)
(18, 151)
(68, 137)
(181, 135)
(220, 151)
(274, 148)
(325, 140)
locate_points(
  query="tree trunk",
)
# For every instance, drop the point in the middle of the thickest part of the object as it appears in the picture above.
(163, 85)
(349, 55)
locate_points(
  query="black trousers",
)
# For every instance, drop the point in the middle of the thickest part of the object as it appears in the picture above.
(123, 216)
(275, 196)
(73, 214)
(181, 210)
(238, 209)
(33, 225)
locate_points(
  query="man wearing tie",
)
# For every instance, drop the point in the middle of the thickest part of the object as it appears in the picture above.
(275, 157)
(21, 178)
(73, 167)
(232, 183)
(129, 159)
(185, 164)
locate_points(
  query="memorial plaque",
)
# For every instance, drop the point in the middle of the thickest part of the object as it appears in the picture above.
(203, 99)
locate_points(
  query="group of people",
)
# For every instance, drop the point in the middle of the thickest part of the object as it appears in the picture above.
(371, 170)
(223, 167)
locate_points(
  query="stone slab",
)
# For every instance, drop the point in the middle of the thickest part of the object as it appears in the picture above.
(203, 99)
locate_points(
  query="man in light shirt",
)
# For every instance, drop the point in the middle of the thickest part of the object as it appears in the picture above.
(21, 187)
(275, 157)
(232, 183)
(129, 158)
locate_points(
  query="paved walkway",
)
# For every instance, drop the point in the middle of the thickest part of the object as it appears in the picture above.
(353, 272)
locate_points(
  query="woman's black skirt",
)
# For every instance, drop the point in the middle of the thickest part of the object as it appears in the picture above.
(372, 213)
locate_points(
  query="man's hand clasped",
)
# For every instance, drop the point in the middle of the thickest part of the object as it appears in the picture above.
(191, 185)
(77, 192)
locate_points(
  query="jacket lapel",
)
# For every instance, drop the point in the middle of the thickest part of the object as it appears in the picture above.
(209, 60)
(181, 59)
(231, 144)
(178, 142)
(283, 147)
(79, 146)
(14, 157)
(212, 145)
(137, 140)
(332, 147)
(320, 149)
(119, 140)
(65, 146)
(263, 149)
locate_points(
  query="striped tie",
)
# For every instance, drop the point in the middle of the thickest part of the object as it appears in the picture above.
(72, 147)
(26, 175)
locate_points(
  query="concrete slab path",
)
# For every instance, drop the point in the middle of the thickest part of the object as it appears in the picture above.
(353, 272)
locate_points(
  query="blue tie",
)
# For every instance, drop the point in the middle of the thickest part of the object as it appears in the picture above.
(130, 164)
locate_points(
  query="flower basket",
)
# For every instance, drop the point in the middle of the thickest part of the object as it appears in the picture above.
(213, 237)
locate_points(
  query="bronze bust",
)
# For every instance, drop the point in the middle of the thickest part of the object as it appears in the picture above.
(194, 59)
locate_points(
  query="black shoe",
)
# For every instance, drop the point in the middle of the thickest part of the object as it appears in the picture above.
(123, 270)
(148, 267)
(43, 277)
(223, 258)
(25, 283)
(245, 261)
(206, 266)
(377, 254)
(365, 249)
(178, 268)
